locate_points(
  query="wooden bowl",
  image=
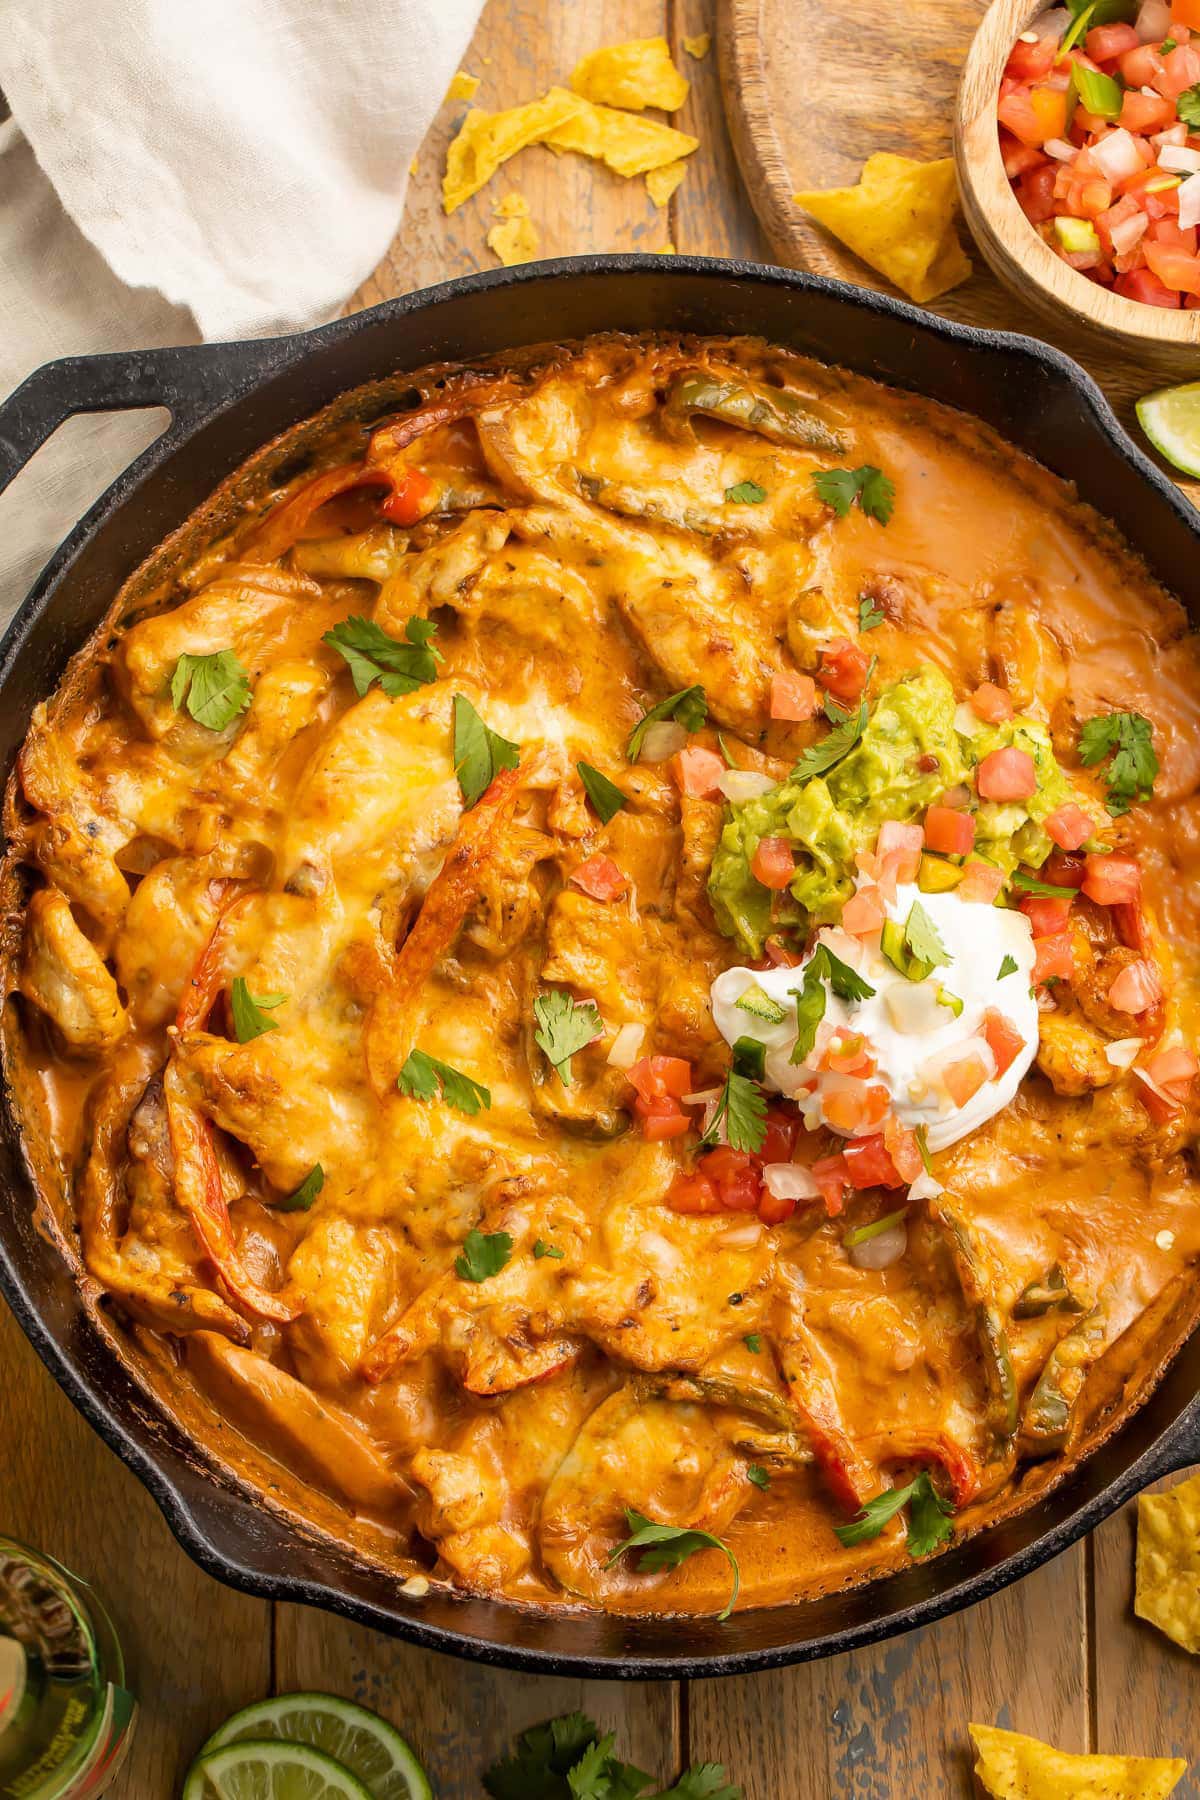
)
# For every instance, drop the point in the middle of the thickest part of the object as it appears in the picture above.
(1160, 338)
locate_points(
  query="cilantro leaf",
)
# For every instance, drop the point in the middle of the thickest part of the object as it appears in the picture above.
(689, 706)
(305, 1194)
(1129, 739)
(484, 1253)
(249, 1019)
(921, 936)
(928, 1518)
(565, 1025)
(840, 488)
(479, 753)
(705, 1782)
(819, 758)
(373, 655)
(216, 688)
(742, 1109)
(823, 966)
(422, 1075)
(666, 1546)
(1029, 884)
(604, 794)
(542, 1248)
(544, 1756)
(869, 615)
(758, 1475)
(746, 493)
(1188, 106)
(753, 1343)
(1007, 967)
(846, 982)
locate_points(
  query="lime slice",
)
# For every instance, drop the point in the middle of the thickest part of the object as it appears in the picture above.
(271, 1770)
(1171, 420)
(360, 1740)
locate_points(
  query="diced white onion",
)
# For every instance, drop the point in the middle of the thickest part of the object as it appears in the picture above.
(789, 1181)
(966, 719)
(1028, 37)
(1123, 1053)
(660, 1252)
(1129, 232)
(626, 1047)
(912, 1007)
(1174, 134)
(744, 784)
(740, 1237)
(416, 1587)
(881, 1251)
(1153, 23)
(1179, 159)
(1189, 203)
(663, 739)
(1116, 155)
(704, 1098)
(1165, 1240)
(932, 1067)
(1060, 149)
(925, 1188)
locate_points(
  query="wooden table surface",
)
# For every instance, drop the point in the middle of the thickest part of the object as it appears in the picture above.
(1060, 1655)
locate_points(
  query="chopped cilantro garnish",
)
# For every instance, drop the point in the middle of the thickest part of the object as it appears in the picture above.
(1129, 739)
(1007, 967)
(753, 1343)
(249, 1019)
(306, 1193)
(823, 966)
(422, 1075)
(541, 1248)
(819, 758)
(840, 488)
(928, 1516)
(479, 752)
(758, 1475)
(666, 1546)
(565, 1025)
(604, 794)
(1188, 106)
(484, 1253)
(372, 655)
(689, 707)
(921, 936)
(215, 687)
(869, 615)
(568, 1759)
(746, 493)
(1029, 884)
(742, 1109)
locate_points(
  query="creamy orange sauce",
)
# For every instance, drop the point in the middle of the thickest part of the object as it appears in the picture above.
(580, 561)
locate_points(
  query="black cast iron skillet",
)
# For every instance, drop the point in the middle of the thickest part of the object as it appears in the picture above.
(228, 399)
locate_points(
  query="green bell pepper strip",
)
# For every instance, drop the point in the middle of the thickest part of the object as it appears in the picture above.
(773, 413)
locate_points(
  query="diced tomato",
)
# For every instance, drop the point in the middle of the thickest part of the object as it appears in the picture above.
(1019, 158)
(773, 862)
(778, 955)
(1173, 1068)
(1141, 65)
(599, 878)
(1046, 917)
(1009, 774)
(1112, 880)
(1029, 62)
(773, 1209)
(833, 1178)
(981, 882)
(1137, 988)
(693, 1192)
(1035, 192)
(870, 1165)
(1144, 285)
(661, 1119)
(409, 499)
(1180, 71)
(948, 832)
(780, 1138)
(857, 1111)
(848, 1053)
(1063, 870)
(735, 1175)
(1015, 112)
(1171, 233)
(1186, 13)
(1003, 1039)
(1104, 43)
(1053, 959)
(793, 696)
(1069, 826)
(661, 1078)
(863, 914)
(901, 1145)
(1146, 112)
(1174, 268)
(900, 846)
(1161, 1107)
(964, 1078)
(697, 771)
(844, 668)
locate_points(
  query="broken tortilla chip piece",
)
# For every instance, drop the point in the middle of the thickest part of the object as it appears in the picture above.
(487, 139)
(661, 183)
(628, 145)
(698, 46)
(900, 219)
(515, 238)
(1013, 1767)
(637, 74)
(1168, 1562)
(462, 86)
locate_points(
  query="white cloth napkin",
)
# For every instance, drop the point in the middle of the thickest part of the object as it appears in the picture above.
(176, 169)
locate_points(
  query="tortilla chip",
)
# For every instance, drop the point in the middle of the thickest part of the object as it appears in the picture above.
(661, 183)
(698, 46)
(900, 219)
(1012, 1767)
(462, 86)
(632, 75)
(667, 250)
(487, 139)
(1168, 1562)
(515, 240)
(628, 145)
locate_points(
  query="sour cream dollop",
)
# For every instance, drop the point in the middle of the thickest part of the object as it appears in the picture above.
(912, 1035)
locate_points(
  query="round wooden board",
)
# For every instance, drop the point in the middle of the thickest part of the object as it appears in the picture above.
(812, 89)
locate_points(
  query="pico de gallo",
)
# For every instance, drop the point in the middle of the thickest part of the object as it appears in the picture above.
(1099, 119)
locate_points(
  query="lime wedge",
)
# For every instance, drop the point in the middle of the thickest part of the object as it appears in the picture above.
(1171, 420)
(361, 1741)
(271, 1770)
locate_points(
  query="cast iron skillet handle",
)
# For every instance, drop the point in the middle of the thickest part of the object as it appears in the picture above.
(189, 380)
(1176, 1449)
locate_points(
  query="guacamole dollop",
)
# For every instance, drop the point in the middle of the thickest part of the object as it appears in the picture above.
(911, 750)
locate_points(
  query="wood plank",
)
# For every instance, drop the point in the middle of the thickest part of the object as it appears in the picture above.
(459, 1716)
(1145, 1686)
(892, 1720)
(195, 1649)
(710, 214)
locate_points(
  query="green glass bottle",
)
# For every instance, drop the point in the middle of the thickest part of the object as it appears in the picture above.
(66, 1718)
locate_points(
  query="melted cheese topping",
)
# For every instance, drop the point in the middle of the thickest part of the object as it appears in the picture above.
(571, 537)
